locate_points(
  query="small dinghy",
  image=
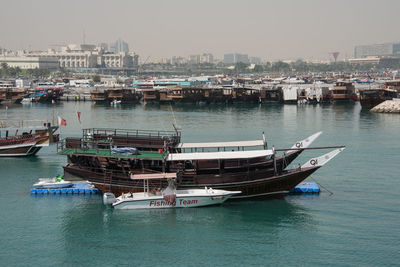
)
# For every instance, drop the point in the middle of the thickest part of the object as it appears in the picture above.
(52, 183)
(170, 197)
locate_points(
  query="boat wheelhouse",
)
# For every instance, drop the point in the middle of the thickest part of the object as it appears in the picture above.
(343, 91)
(370, 98)
(12, 95)
(46, 95)
(99, 95)
(124, 95)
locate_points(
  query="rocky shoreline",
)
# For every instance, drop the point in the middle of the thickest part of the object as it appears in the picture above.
(389, 106)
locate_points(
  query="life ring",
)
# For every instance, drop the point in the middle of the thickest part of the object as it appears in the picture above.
(298, 145)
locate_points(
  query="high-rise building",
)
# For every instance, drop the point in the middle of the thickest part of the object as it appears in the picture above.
(207, 58)
(255, 60)
(387, 49)
(103, 46)
(194, 59)
(119, 46)
(236, 58)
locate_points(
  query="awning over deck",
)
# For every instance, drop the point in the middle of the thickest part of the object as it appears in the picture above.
(222, 144)
(148, 176)
(219, 155)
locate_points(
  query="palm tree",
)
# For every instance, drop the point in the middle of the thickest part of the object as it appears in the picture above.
(4, 66)
(4, 69)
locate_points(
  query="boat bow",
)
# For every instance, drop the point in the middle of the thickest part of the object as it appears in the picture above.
(304, 143)
(322, 160)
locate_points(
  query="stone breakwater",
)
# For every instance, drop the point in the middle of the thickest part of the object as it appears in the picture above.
(389, 106)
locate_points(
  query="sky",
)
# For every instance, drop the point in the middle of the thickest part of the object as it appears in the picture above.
(272, 30)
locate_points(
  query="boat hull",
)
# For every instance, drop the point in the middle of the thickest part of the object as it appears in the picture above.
(182, 201)
(256, 186)
(19, 150)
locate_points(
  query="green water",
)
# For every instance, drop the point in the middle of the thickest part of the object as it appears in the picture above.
(358, 225)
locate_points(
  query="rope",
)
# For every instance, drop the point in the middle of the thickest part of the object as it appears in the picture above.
(173, 114)
(331, 193)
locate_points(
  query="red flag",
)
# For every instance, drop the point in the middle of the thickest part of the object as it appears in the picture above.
(79, 116)
(62, 122)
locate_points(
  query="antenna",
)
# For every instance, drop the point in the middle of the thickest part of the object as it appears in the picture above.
(84, 37)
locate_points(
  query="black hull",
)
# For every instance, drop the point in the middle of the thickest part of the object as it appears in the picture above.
(261, 185)
(23, 151)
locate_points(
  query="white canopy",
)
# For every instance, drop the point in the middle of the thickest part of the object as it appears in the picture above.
(219, 155)
(147, 176)
(222, 144)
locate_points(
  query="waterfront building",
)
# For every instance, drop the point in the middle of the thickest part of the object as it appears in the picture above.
(365, 61)
(22, 83)
(117, 60)
(387, 49)
(89, 56)
(26, 62)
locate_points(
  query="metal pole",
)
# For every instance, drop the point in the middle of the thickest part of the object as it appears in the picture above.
(309, 148)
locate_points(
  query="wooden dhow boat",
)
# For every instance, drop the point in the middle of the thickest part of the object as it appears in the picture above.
(257, 173)
(27, 140)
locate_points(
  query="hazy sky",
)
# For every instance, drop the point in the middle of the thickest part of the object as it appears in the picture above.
(280, 29)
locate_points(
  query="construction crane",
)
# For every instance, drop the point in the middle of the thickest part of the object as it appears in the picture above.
(141, 65)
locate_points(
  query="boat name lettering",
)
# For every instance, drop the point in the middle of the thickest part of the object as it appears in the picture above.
(314, 162)
(187, 202)
(161, 203)
(299, 144)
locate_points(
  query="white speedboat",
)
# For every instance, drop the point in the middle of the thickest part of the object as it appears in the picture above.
(168, 198)
(26, 100)
(51, 183)
(115, 102)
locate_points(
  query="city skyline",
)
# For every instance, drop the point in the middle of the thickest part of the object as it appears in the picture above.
(156, 29)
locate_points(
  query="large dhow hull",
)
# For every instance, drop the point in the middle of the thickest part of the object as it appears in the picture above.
(26, 144)
(19, 150)
(266, 187)
(119, 182)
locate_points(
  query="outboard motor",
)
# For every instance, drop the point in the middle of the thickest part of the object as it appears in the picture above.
(109, 198)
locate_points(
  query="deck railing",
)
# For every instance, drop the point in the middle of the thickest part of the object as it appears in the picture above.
(131, 133)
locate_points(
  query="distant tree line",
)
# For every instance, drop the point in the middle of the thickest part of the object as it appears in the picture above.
(300, 66)
(297, 67)
(13, 72)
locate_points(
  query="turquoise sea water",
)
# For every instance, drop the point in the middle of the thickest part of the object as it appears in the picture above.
(358, 225)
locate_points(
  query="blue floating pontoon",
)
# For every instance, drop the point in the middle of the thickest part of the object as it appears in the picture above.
(79, 188)
(306, 188)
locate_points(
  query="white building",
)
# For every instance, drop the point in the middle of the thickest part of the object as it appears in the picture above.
(117, 60)
(89, 56)
(365, 60)
(25, 62)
